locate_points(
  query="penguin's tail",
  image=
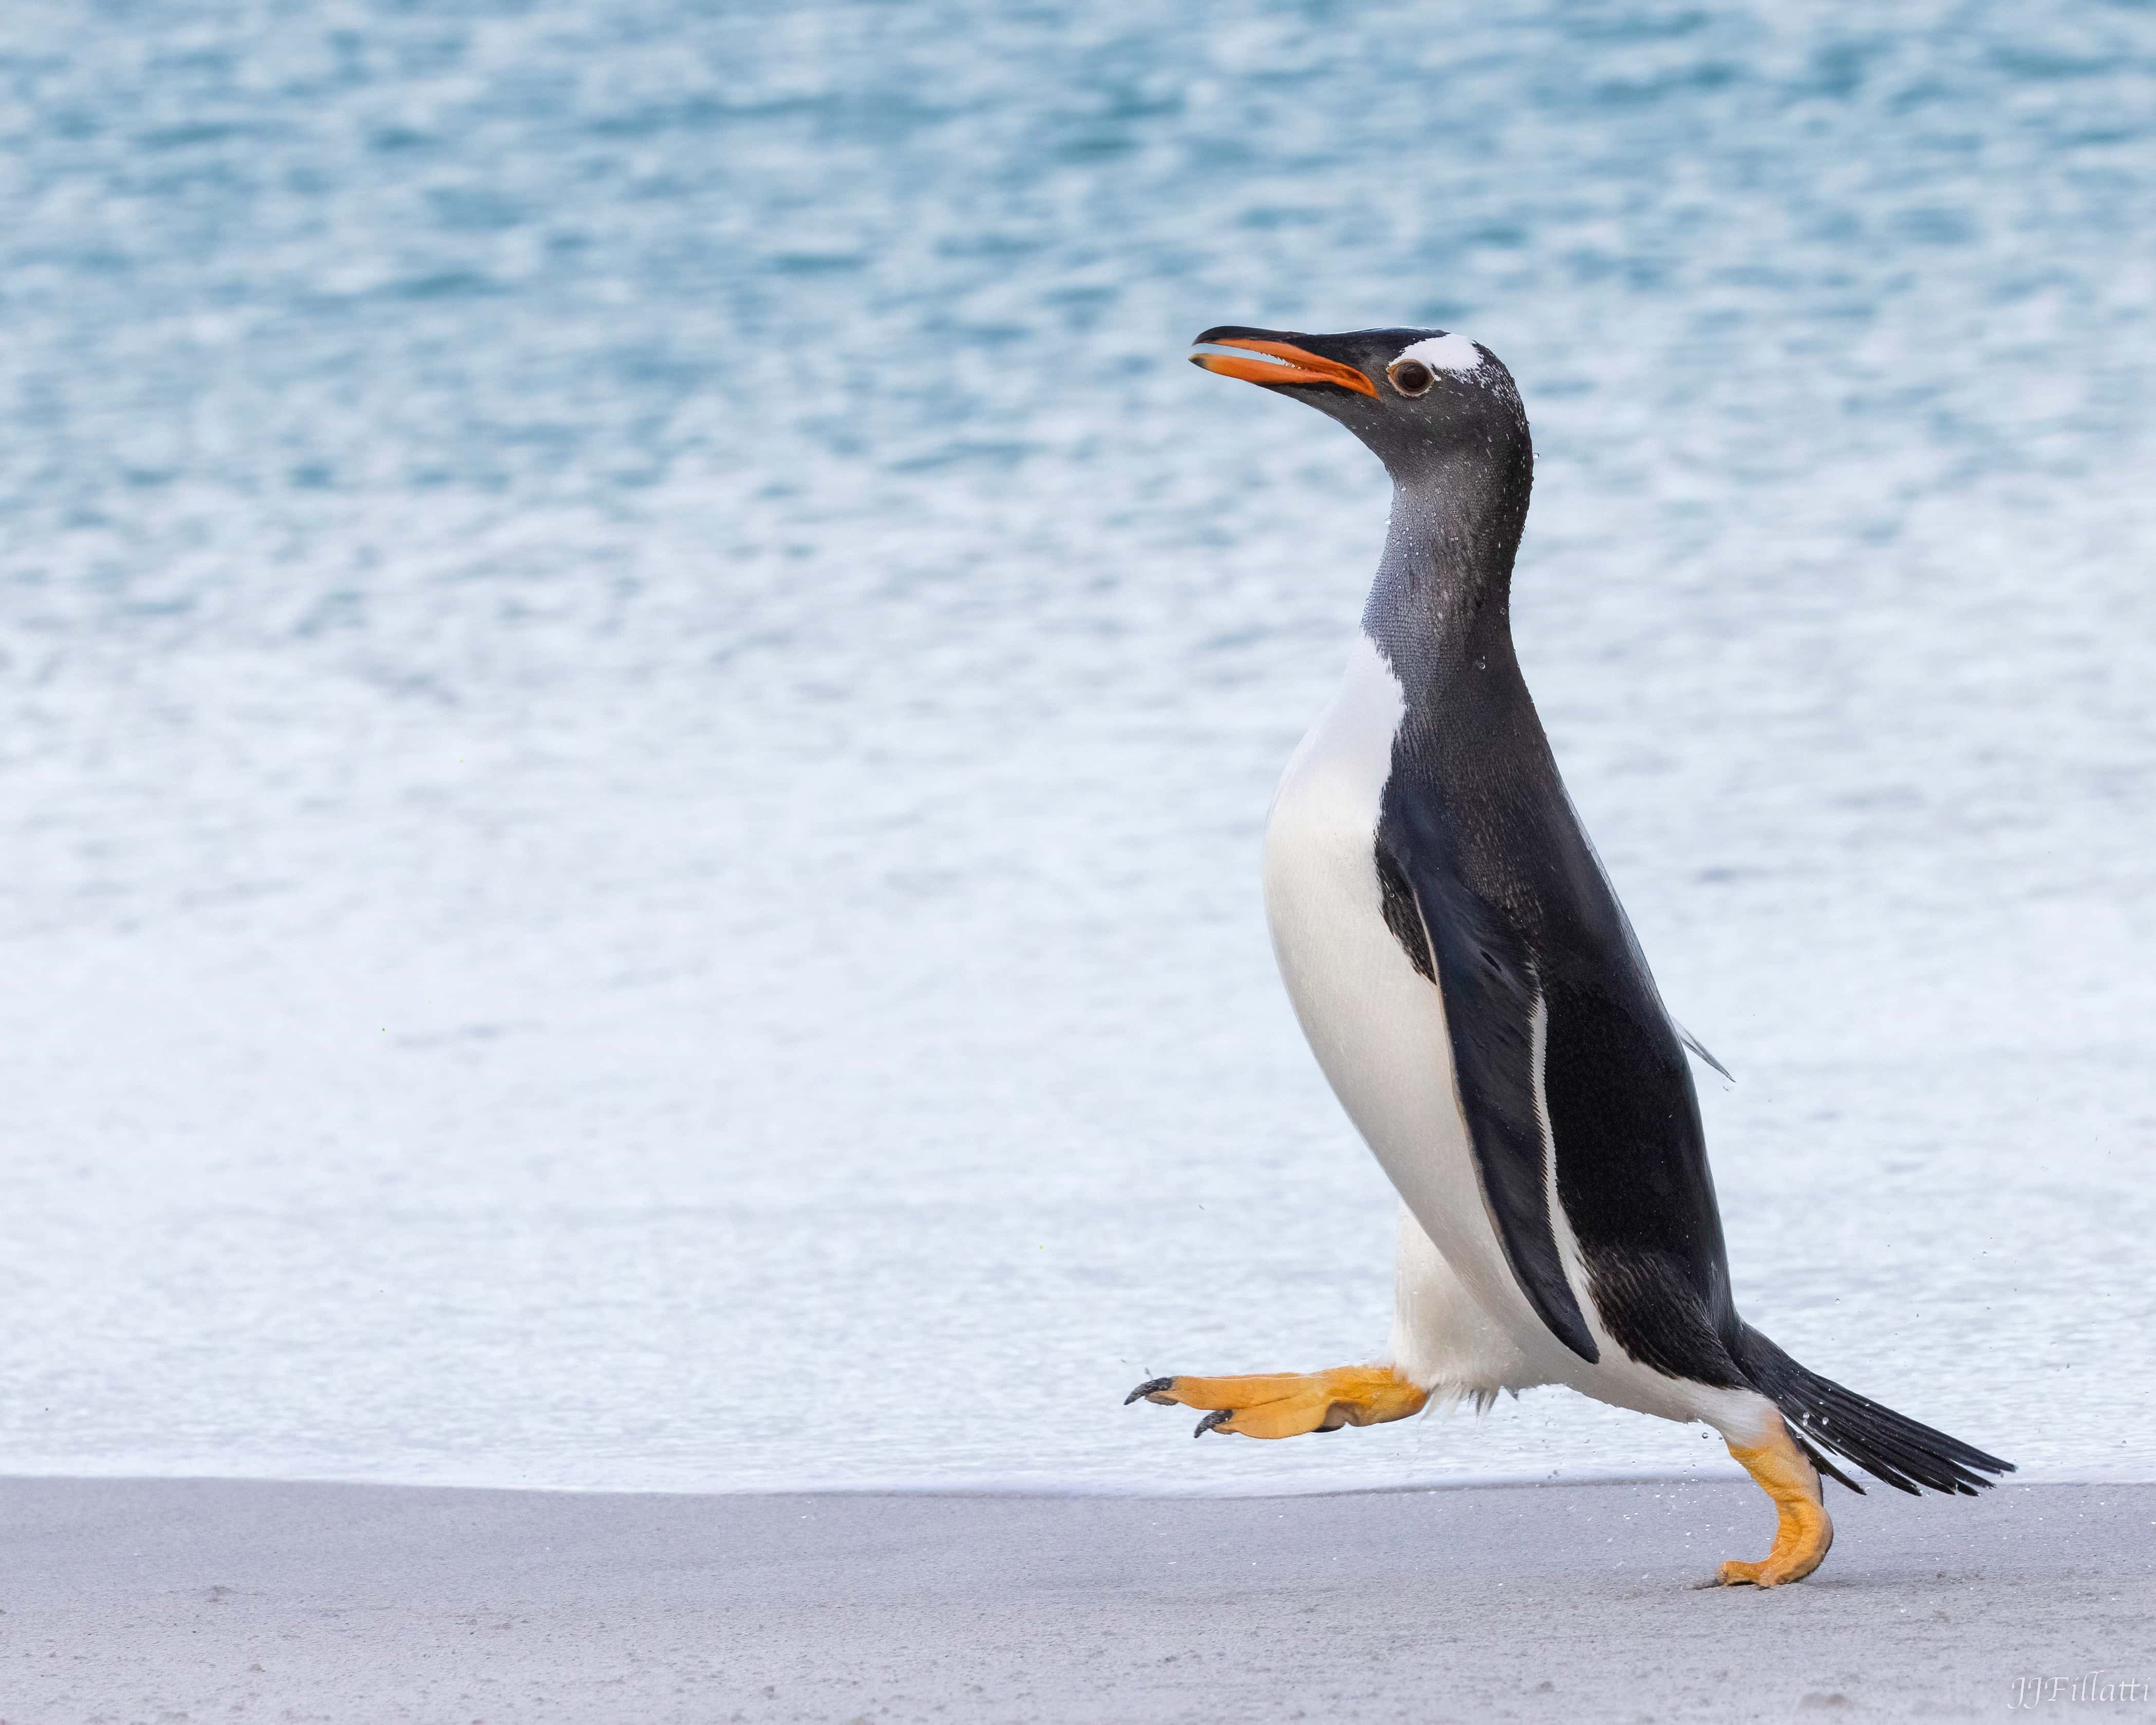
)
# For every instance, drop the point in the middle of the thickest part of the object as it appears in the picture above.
(1823, 1415)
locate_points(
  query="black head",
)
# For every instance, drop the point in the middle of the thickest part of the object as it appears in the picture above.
(1420, 399)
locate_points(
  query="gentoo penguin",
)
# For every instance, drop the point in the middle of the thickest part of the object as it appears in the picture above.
(1477, 1000)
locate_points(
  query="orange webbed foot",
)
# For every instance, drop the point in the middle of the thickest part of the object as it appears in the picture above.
(1279, 1404)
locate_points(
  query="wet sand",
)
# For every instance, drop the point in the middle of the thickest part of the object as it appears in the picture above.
(160, 1600)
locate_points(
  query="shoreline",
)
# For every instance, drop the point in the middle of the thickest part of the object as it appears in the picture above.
(1707, 1474)
(127, 1598)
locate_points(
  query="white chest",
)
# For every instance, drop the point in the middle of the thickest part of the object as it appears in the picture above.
(1376, 1024)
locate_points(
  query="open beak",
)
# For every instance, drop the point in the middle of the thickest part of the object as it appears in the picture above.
(1285, 362)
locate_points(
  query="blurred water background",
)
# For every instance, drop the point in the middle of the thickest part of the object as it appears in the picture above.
(640, 692)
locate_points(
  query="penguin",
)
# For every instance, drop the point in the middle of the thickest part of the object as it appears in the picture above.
(1480, 1005)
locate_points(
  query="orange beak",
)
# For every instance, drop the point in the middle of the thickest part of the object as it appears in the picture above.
(1289, 364)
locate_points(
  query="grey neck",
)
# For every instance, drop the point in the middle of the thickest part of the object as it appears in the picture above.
(1442, 599)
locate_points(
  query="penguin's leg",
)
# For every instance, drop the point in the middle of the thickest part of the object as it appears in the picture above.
(1803, 1533)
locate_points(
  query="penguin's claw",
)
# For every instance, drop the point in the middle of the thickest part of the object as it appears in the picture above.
(1278, 1404)
(1775, 1570)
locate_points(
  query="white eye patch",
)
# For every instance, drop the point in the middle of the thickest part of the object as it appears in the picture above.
(1452, 352)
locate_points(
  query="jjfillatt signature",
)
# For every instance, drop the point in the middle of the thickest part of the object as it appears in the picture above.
(2094, 1686)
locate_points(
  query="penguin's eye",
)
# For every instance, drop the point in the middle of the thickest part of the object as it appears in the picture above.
(1410, 377)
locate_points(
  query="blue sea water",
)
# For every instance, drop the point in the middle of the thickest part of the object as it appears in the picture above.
(640, 692)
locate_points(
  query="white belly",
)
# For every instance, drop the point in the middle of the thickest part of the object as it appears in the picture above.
(1376, 1024)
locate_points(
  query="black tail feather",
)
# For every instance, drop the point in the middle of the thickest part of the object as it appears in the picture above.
(1894, 1448)
(1818, 1459)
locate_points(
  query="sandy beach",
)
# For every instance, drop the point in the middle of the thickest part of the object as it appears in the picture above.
(159, 1600)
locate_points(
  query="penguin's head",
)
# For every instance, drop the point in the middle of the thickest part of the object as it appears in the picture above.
(1418, 397)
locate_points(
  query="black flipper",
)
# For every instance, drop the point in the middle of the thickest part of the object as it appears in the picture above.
(1890, 1446)
(1482, 964)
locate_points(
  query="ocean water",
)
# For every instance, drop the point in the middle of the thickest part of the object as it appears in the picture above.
(640, 692)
